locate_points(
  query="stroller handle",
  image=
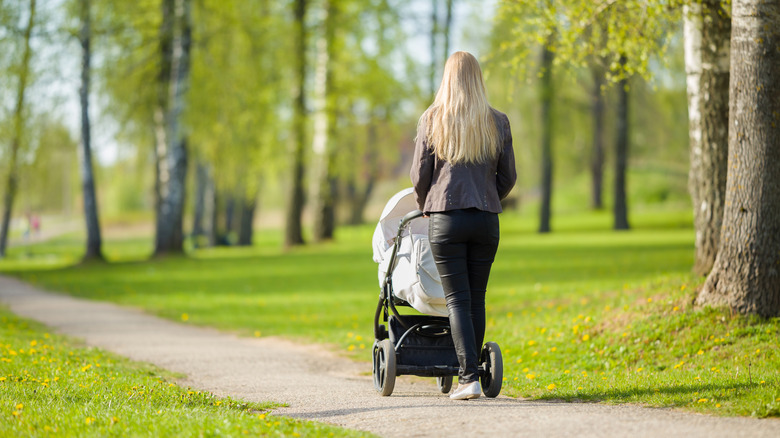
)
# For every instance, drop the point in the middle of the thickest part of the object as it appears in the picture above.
(409, 217)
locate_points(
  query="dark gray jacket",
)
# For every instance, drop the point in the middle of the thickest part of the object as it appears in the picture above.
(440, 186)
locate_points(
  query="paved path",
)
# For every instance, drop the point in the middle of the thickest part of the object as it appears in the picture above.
(321, 386)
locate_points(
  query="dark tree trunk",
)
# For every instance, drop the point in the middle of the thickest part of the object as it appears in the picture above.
(293, 229)
(620, 208)
(162, 177)
(746, 273)
(246, 225)
(447, 31)
(434, 36)
(547, 128)
(597, 159)
(707, 33)
(94, 242)
(199, 214)
(16, 141)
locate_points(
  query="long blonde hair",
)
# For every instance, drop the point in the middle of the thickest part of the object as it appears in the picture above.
(461, 128)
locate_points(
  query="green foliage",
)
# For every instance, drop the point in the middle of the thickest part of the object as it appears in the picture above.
(559, 305)
(581, 31)
(51, 386)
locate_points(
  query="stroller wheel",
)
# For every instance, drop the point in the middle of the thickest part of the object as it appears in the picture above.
(494, 369)
(384, 366)
(444, 384)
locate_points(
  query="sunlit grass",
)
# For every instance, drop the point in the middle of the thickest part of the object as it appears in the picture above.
(51, 386)
(583, 313)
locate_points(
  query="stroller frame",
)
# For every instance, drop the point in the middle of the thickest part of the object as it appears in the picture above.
(391, 359)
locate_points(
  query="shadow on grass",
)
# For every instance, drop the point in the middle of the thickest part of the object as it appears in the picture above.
(637, 393)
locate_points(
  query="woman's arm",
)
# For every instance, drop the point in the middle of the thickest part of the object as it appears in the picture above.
(422, 167)
(506, 173)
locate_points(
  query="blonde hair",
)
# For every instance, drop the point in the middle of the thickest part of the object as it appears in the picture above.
(461, 128)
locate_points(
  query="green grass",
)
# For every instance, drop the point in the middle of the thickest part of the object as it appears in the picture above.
(52, 386)
(583, 313)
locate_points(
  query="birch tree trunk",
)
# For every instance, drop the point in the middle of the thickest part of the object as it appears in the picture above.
(171, 234)
(162, 174)
(94, 241)
(707, 33)
(293, 232)
(547, 128)
(324, 182)
(199, 213)
(18, 127)
(746, 273)
(620, 208)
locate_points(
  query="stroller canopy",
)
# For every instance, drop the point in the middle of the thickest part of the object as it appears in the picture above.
(415, 278)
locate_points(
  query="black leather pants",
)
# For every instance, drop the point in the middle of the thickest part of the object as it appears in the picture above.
(464, 244)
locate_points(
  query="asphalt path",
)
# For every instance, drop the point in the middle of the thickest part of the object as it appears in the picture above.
(317, 384)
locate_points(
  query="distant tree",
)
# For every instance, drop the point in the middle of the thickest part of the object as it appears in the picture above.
(746, 273)
(293, 217)
(18, 128)
(620, 206)
(94, 241)
(547, 98)
(707, 33)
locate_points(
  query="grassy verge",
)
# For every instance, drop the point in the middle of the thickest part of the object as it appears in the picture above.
(583, 313)
(51, 386)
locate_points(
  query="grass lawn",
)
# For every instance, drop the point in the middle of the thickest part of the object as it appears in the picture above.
(583, 313)
(52, 386)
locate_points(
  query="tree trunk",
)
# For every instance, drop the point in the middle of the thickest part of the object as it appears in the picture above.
(293, 233)
(162, 175)
(94, 242)
(447, 31)
(547, 128)
(199, 214)
(707, 32)
(16, 141)
(325, 184)
(246, 222)
(597, 159)
(746, 273)
(434, 35)
(620, 208)
(171, 237)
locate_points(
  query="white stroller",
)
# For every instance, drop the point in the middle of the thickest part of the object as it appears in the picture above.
(412, 344)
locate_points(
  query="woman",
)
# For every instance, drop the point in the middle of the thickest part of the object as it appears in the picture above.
(463, 166)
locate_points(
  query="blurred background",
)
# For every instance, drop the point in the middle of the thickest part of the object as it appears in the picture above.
(196, 122)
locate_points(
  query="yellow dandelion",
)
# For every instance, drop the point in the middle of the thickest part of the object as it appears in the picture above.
(257, 333)
(579, 388)
(700, 352)
(19, 407)
(675, 308)
(515, 379)
(520, 360)
(551, 386)
(702, 400)
(530, 376)
(696, 378)
(185, 317)
(534, 354)
(509, 315)
(683, 287)
(525, 370)
(531, 343)
(625, 334)
(33, 343)
(261, 416)
(554, 349)
(358, 338)
(758, 350)
(362, 346)
(351, 347)
(762, 382)
(2, 379)
(717, 405)
(566, 371)
(639, 370)
(585, 373)
(350, 334)
(15, 414)
(585, 337)
(649, 300)
(89, 420)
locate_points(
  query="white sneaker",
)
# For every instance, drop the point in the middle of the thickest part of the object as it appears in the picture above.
(467, 392)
